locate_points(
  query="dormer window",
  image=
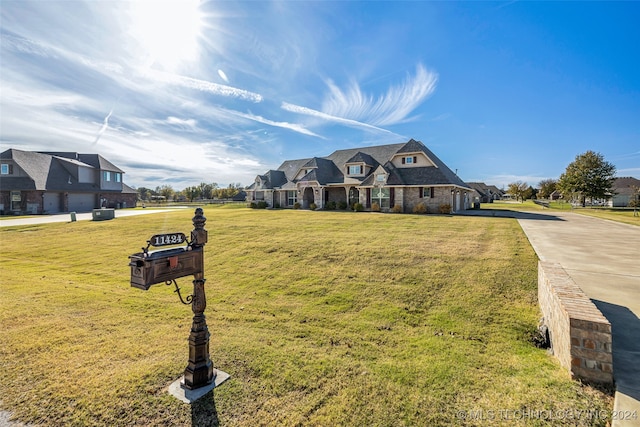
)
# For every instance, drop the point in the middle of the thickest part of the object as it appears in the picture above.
(356, 170)
(380, 177)
(410, 160)
(7, 169)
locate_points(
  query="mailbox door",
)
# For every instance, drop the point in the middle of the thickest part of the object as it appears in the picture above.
(163, 266)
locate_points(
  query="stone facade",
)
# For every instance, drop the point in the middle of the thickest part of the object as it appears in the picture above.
(580, 334)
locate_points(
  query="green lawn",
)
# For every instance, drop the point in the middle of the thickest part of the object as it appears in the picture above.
(321, 318)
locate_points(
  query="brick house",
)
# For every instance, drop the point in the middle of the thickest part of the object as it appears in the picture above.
(402, 175)
(486, 193)
(46, 182)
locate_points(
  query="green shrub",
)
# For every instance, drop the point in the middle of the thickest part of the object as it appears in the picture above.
(375, 207)
(445, 208)
(313, 206)
(420, 208)
(253, 205)
(358, 207)
(296, 205)
(396, 209)
(330, 206)
(262, 205)
(342, 205)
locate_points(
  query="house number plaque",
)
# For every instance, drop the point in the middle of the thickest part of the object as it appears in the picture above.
(167, 239)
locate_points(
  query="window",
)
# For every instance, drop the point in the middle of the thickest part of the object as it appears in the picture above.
(409, 160)
(381, 196)
(355, 170)
(380, 177)
(118, 177)
(6, 169)
(106, 176)
(428, 192)
(292, 197)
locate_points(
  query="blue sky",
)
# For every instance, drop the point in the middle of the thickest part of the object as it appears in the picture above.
(178, 93)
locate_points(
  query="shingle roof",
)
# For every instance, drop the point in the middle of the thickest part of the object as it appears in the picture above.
(361, 157)
(327, 170)
(625, 184)
(54, 171)
(324, 172)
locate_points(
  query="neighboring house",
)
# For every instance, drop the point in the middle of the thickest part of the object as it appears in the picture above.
(486, 193)
(46, 182)
(405, 175)
(556, 195)
(624, 189)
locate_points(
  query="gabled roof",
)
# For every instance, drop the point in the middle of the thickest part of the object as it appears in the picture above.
(292, 167)
(325, 172)
(380, 153)
(93, 160)
(330, 169)
(361, 157)
(53, 171)
(35, 165)
(412, 146)
(624, 185)
(275, 179)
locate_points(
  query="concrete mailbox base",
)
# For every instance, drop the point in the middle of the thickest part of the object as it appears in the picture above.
(177, 390)
(103, 214)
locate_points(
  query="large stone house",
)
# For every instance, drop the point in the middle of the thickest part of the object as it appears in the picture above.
(46, 182)
(384, 176)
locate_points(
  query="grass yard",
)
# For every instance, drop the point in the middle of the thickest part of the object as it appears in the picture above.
(321, 318)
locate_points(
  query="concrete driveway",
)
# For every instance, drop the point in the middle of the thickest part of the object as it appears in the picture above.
(603, 258)
(43, 219)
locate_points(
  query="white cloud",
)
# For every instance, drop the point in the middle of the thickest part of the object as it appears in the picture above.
(184, 123)
(392, 108)
(291, 126)
(223, 76)
(318, 114)
(201, 85)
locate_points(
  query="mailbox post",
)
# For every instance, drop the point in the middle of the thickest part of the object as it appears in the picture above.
(164, 266)
(199, 371)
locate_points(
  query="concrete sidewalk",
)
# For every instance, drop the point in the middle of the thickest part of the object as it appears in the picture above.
(603, 258)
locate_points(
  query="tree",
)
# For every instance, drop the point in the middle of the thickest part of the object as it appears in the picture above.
(589, 176)
(530, 193)
(192, 193)
(547, 186)
(166, 190)
(144, 193)
(518, 189)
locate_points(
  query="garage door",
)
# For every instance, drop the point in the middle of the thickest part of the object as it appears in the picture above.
(52, 203)
(80, 202)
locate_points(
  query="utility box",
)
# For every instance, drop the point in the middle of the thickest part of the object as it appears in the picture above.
(103, 214)
(150, 268)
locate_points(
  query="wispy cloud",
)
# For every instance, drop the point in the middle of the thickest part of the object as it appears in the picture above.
(104, 127)
(392, 108)
(223, 76)
(201, 85)
(286, 125)
(318, 114)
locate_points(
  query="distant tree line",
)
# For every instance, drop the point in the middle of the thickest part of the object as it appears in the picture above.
(588, 177)
(199, 192)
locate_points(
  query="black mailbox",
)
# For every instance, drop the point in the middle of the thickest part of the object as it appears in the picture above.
(150, 268)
